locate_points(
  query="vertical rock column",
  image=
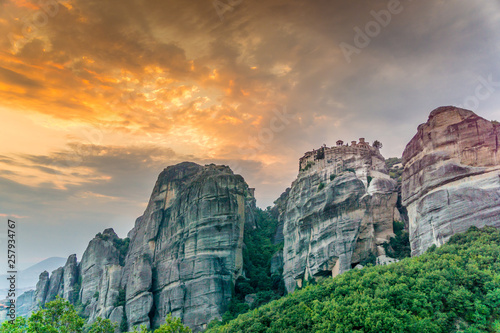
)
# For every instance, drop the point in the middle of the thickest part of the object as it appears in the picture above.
(186, 250)
(451, 178)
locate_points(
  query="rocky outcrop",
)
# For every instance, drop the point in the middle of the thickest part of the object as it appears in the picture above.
(61, 283)
(338, 213)
(451, 177)
(55, 285)
(94, 282)
(185, 253)
(70, 278)
(100, 273)
(42, 287)
(186, 250)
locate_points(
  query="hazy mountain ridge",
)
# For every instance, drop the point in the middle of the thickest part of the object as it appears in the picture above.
(27, 278)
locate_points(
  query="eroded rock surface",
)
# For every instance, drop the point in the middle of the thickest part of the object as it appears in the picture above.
(42, 287)
(451, 177)
(339, 211)
(186, 250)
(185, 253)
(100, 273)
(70, 278)
(55, 285)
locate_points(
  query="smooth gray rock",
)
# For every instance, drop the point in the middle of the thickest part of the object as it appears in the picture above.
(138, 310)
(116, 317)
(451, 177)
(100, 273)
(108, 292)
(277, 263)
(42, 287)
(55, 284)
(277, 211)
(70, 278)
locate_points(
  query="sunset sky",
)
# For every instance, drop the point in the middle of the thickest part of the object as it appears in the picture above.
(97, 97)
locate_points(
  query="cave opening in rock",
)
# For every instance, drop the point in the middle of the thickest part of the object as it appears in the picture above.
(323, 273)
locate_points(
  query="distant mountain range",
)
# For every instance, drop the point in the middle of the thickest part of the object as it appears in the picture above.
(27, 279)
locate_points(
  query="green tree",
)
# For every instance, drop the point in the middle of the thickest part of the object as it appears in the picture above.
(20, 325)
(58, 316)
(143, 329)
(172, 325)
(377, 144)
(102, 326)
(454, 288)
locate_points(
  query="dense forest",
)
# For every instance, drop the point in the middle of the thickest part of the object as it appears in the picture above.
(454, 288)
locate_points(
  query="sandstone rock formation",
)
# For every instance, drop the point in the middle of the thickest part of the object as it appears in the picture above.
(338, 212)
(42, 288)
(54, 285)
(100, 274)
(70, 278)
(185, 253)
(186, 250)
(94, 283)
(451, 177)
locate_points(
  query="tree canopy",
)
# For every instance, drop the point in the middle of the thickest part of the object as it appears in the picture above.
(59, 316)
(454, 288)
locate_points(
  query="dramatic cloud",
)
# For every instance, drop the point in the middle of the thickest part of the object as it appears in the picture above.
(97, 97)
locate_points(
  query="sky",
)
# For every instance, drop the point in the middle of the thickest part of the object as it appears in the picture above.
(98, 97)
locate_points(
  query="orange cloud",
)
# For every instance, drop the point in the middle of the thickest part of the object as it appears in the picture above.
(25, 4)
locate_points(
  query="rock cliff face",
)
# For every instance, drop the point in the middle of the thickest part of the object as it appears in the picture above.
(184, 255)
(186, 250)
(70, 278)
(451, 177)
(338, 212)
(41, 288)
(94, 283)
(100, 273)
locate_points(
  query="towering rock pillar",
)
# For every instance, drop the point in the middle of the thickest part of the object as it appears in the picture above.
(451, 177)
(337, 214)
(186, 250)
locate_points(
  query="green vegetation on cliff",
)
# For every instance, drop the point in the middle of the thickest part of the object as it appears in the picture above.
(395, 173)
(399, 245)
(454, 288)
(258, 282)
